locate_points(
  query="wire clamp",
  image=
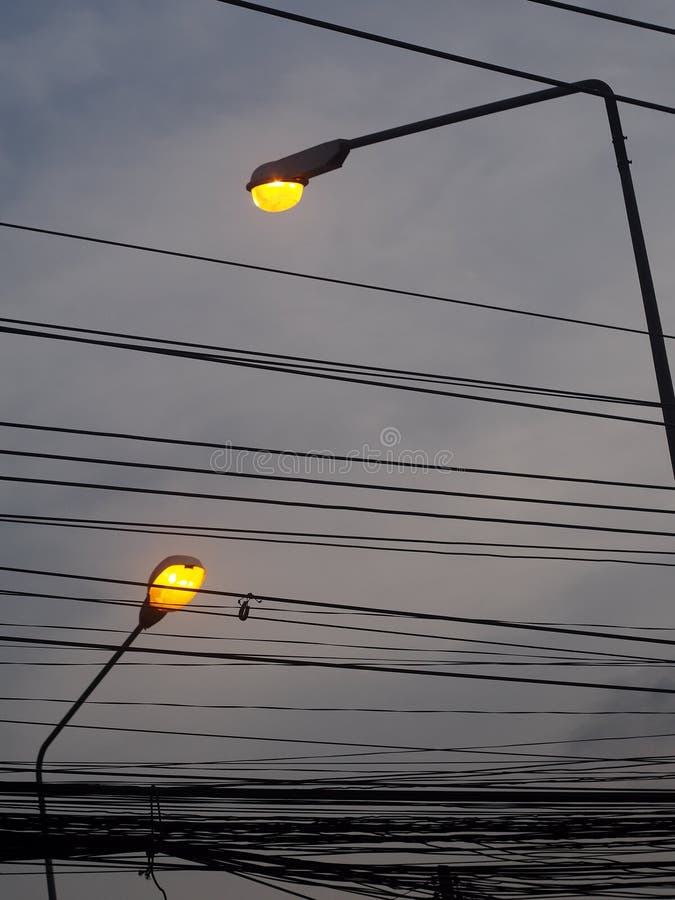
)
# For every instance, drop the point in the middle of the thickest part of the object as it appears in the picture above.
(245, 606)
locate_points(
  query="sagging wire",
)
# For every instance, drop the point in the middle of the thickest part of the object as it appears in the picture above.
(447, 886)
(149, 872)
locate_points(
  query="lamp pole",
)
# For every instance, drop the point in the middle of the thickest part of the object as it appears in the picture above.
(167, 590)
(44, 823)
(299, 168)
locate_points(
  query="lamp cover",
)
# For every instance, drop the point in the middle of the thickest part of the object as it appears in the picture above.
(277, 196)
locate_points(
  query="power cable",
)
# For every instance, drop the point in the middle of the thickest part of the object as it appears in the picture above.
(417, 295)
(325, 482)
(361, 667)
(208, 530)
(517, 659)
(597, 655)
(154, 842)
(357, 609)
(600, 659)
(353, 368)
(609, 17)
(240, 535)
(171, 704)
(305, 504)
(435, 636)
(227, 447)
(380, 749)
(416, 614)
(426, 51)
(320, 374)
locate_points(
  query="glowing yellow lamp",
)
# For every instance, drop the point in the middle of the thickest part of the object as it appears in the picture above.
(277, 196)
(175, 581)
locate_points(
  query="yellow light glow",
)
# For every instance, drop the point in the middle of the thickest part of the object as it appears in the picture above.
(277, 196)
(168, 590)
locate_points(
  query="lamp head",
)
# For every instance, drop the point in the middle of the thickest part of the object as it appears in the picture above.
(171, 585)
(278, 186)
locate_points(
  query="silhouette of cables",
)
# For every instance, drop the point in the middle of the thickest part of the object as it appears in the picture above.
(450, 651)
(324, 279)
(551, 656)
(383, 668)
(343, 507)
(354, 767)
(153, 346)
(476, 645)
(357, 609)
(606, 16)
(509, 842)
(417, 48)
(385, 710)
(379, 748)
(471, 549)
(319, 364)
(327, 482)
(377, 462)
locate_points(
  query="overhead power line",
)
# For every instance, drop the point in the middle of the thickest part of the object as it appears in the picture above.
(341, 541)
(559, 653)
(246, 737)
(330, 482)
(425, 51)
(449, 640)
(313, 372)
(342, 507)
(295, 837)
(350, 666)
(359, 609)
(516, 660)
(417, 711)
(416, 295)
(398, 749)
(328, 457)
(328, 365)
(607, 16)
(512, 648)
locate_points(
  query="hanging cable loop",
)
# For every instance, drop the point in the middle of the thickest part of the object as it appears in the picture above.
(149, 872)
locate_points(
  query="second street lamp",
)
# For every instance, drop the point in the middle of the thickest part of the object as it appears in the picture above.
(171, 585)
(277, 186)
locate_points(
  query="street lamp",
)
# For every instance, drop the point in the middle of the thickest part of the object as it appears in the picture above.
(171, 585)
(277, 186)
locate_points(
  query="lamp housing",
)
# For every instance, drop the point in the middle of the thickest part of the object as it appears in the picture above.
(277, 186)
(172, 585)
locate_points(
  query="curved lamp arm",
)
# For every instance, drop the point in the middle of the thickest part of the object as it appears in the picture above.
(44, 826)
(293, 167)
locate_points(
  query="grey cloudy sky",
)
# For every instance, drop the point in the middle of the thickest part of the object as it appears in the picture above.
(141, 122)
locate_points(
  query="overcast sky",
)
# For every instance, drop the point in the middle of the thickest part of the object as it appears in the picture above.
(141, 122)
